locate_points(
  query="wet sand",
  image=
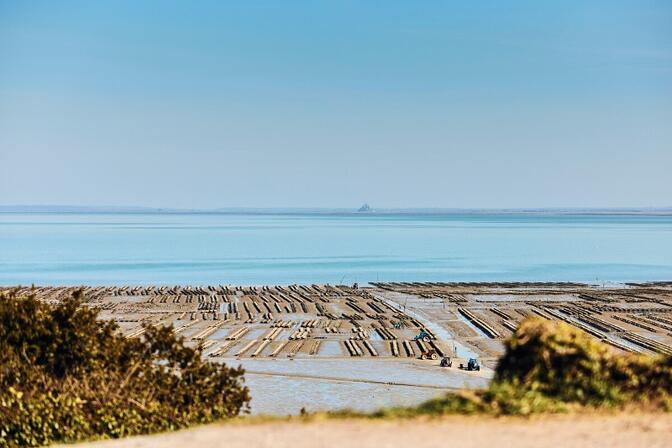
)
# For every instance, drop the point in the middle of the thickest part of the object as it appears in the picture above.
(284, 387)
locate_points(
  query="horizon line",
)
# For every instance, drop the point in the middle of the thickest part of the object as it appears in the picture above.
(362, 210)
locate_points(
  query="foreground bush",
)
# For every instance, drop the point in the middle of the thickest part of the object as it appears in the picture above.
(551, 367)
(66, 376)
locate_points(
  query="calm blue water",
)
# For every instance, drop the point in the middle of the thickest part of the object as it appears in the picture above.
(285, 249)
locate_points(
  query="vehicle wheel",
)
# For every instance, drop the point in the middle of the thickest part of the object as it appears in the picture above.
(423, 357)
(426, 339)
(435, 356)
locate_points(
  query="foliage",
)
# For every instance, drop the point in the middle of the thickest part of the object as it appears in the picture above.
(66, 376)
(563, 362)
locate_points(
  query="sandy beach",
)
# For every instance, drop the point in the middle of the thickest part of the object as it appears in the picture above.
(614, 431)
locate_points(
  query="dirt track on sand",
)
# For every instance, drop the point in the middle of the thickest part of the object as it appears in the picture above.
(562, 431)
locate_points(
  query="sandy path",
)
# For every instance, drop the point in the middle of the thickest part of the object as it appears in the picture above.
(564, 431)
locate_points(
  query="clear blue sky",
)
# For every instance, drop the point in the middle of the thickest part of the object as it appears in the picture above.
(283, 103)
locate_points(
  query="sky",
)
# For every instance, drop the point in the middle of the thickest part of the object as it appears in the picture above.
(210, 104)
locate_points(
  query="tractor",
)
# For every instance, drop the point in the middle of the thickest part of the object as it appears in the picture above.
(471, 365)
(423, 336)
(429, 354)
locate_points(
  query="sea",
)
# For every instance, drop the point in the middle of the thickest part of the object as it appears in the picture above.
(261, 249)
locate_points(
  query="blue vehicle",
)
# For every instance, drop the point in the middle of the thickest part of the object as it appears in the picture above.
(471, 365)
(424, 336)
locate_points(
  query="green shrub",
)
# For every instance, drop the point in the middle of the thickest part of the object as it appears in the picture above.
(66, 376)
(560, 361)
